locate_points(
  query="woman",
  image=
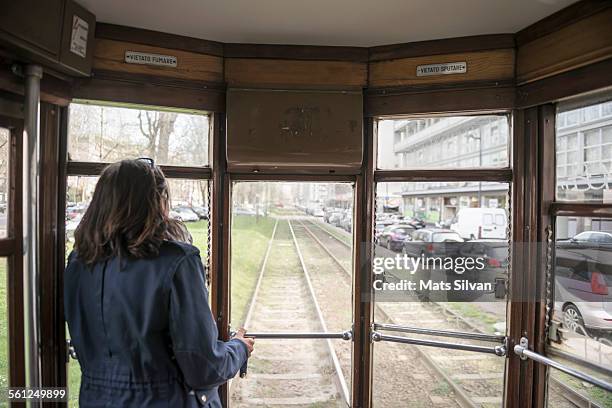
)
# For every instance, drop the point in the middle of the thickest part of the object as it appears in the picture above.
(136, 302)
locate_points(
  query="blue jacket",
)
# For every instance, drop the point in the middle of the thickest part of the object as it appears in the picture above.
(144, 333)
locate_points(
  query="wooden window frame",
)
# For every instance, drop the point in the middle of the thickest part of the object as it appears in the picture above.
(11, 249)
(550, 208)
(502, 175)
(68, 168)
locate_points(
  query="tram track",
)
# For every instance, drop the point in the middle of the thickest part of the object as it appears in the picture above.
(286, 372)
(465, 400)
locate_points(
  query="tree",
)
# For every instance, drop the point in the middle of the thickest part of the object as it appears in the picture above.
(157, 127)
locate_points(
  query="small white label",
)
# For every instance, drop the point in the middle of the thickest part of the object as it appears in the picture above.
(78, 38)
(143, 58)
(449, 68)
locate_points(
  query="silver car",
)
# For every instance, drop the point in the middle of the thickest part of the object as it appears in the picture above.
(583, 282)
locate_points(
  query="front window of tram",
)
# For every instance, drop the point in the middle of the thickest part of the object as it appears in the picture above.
(107, 133)
(291, 271)
(451, 224)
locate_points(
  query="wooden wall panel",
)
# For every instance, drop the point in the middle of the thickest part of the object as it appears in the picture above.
(495, 65)
(472, 43)
(148, 93)
(584, 42)
(294, 131)
(110, 56)
(440, 101)
(261, 73)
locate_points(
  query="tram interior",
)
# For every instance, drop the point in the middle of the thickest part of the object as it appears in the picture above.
(316, 153)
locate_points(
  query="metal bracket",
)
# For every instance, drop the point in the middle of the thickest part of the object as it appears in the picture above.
(347, 335)
(70, 351)
(522, 346)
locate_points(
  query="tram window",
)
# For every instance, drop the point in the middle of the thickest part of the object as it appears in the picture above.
(189, 202)
(582, 313)
(444, 142)
(449, 247)
(107, 133)
(584, 153)
(4, 180)
(291, 271)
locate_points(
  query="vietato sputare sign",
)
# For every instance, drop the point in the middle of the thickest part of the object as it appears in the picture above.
(448, 68)
(144, 58)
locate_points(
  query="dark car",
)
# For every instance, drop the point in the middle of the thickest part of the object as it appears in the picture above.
(417, 223)
(393, 236)
(495, 254)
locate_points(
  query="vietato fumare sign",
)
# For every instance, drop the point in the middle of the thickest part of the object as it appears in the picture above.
(448, 68)
(143, 58)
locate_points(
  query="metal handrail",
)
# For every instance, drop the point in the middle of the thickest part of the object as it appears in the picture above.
(497, 350)
(524, 353)
(345, 335)
(442, 333)
(555, 352)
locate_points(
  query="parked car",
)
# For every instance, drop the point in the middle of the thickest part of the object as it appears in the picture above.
(393, 236)
(243, 211)
(383, 220)
(495, 252)
(417, 223)
(186, 214)
(317, 212)
(328, 212)
(591, 237)
(426, 242)
(335, 218)
(481, 223)
(346, 222)
(444, 223)
(583, 282)
(71, 226)
(76, 210)
(496, 255)
(202, 212)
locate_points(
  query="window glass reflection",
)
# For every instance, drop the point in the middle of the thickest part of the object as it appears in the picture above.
(584, 153)
(453, 223)
(107, 133)
(581, 334)
(444, 142)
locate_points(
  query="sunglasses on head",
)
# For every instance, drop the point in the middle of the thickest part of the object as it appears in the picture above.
(147, 160)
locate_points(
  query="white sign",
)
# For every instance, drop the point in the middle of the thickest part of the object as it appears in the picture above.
(143, 58)
(78, 38)
(449, 68)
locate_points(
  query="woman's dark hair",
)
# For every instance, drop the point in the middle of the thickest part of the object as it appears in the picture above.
(128, 215)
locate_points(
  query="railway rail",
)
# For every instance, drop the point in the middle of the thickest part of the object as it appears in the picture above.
(284, 372)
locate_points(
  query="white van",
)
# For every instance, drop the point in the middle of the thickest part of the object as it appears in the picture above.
(480, 223)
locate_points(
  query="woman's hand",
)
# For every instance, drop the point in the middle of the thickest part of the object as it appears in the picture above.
(249, 341)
